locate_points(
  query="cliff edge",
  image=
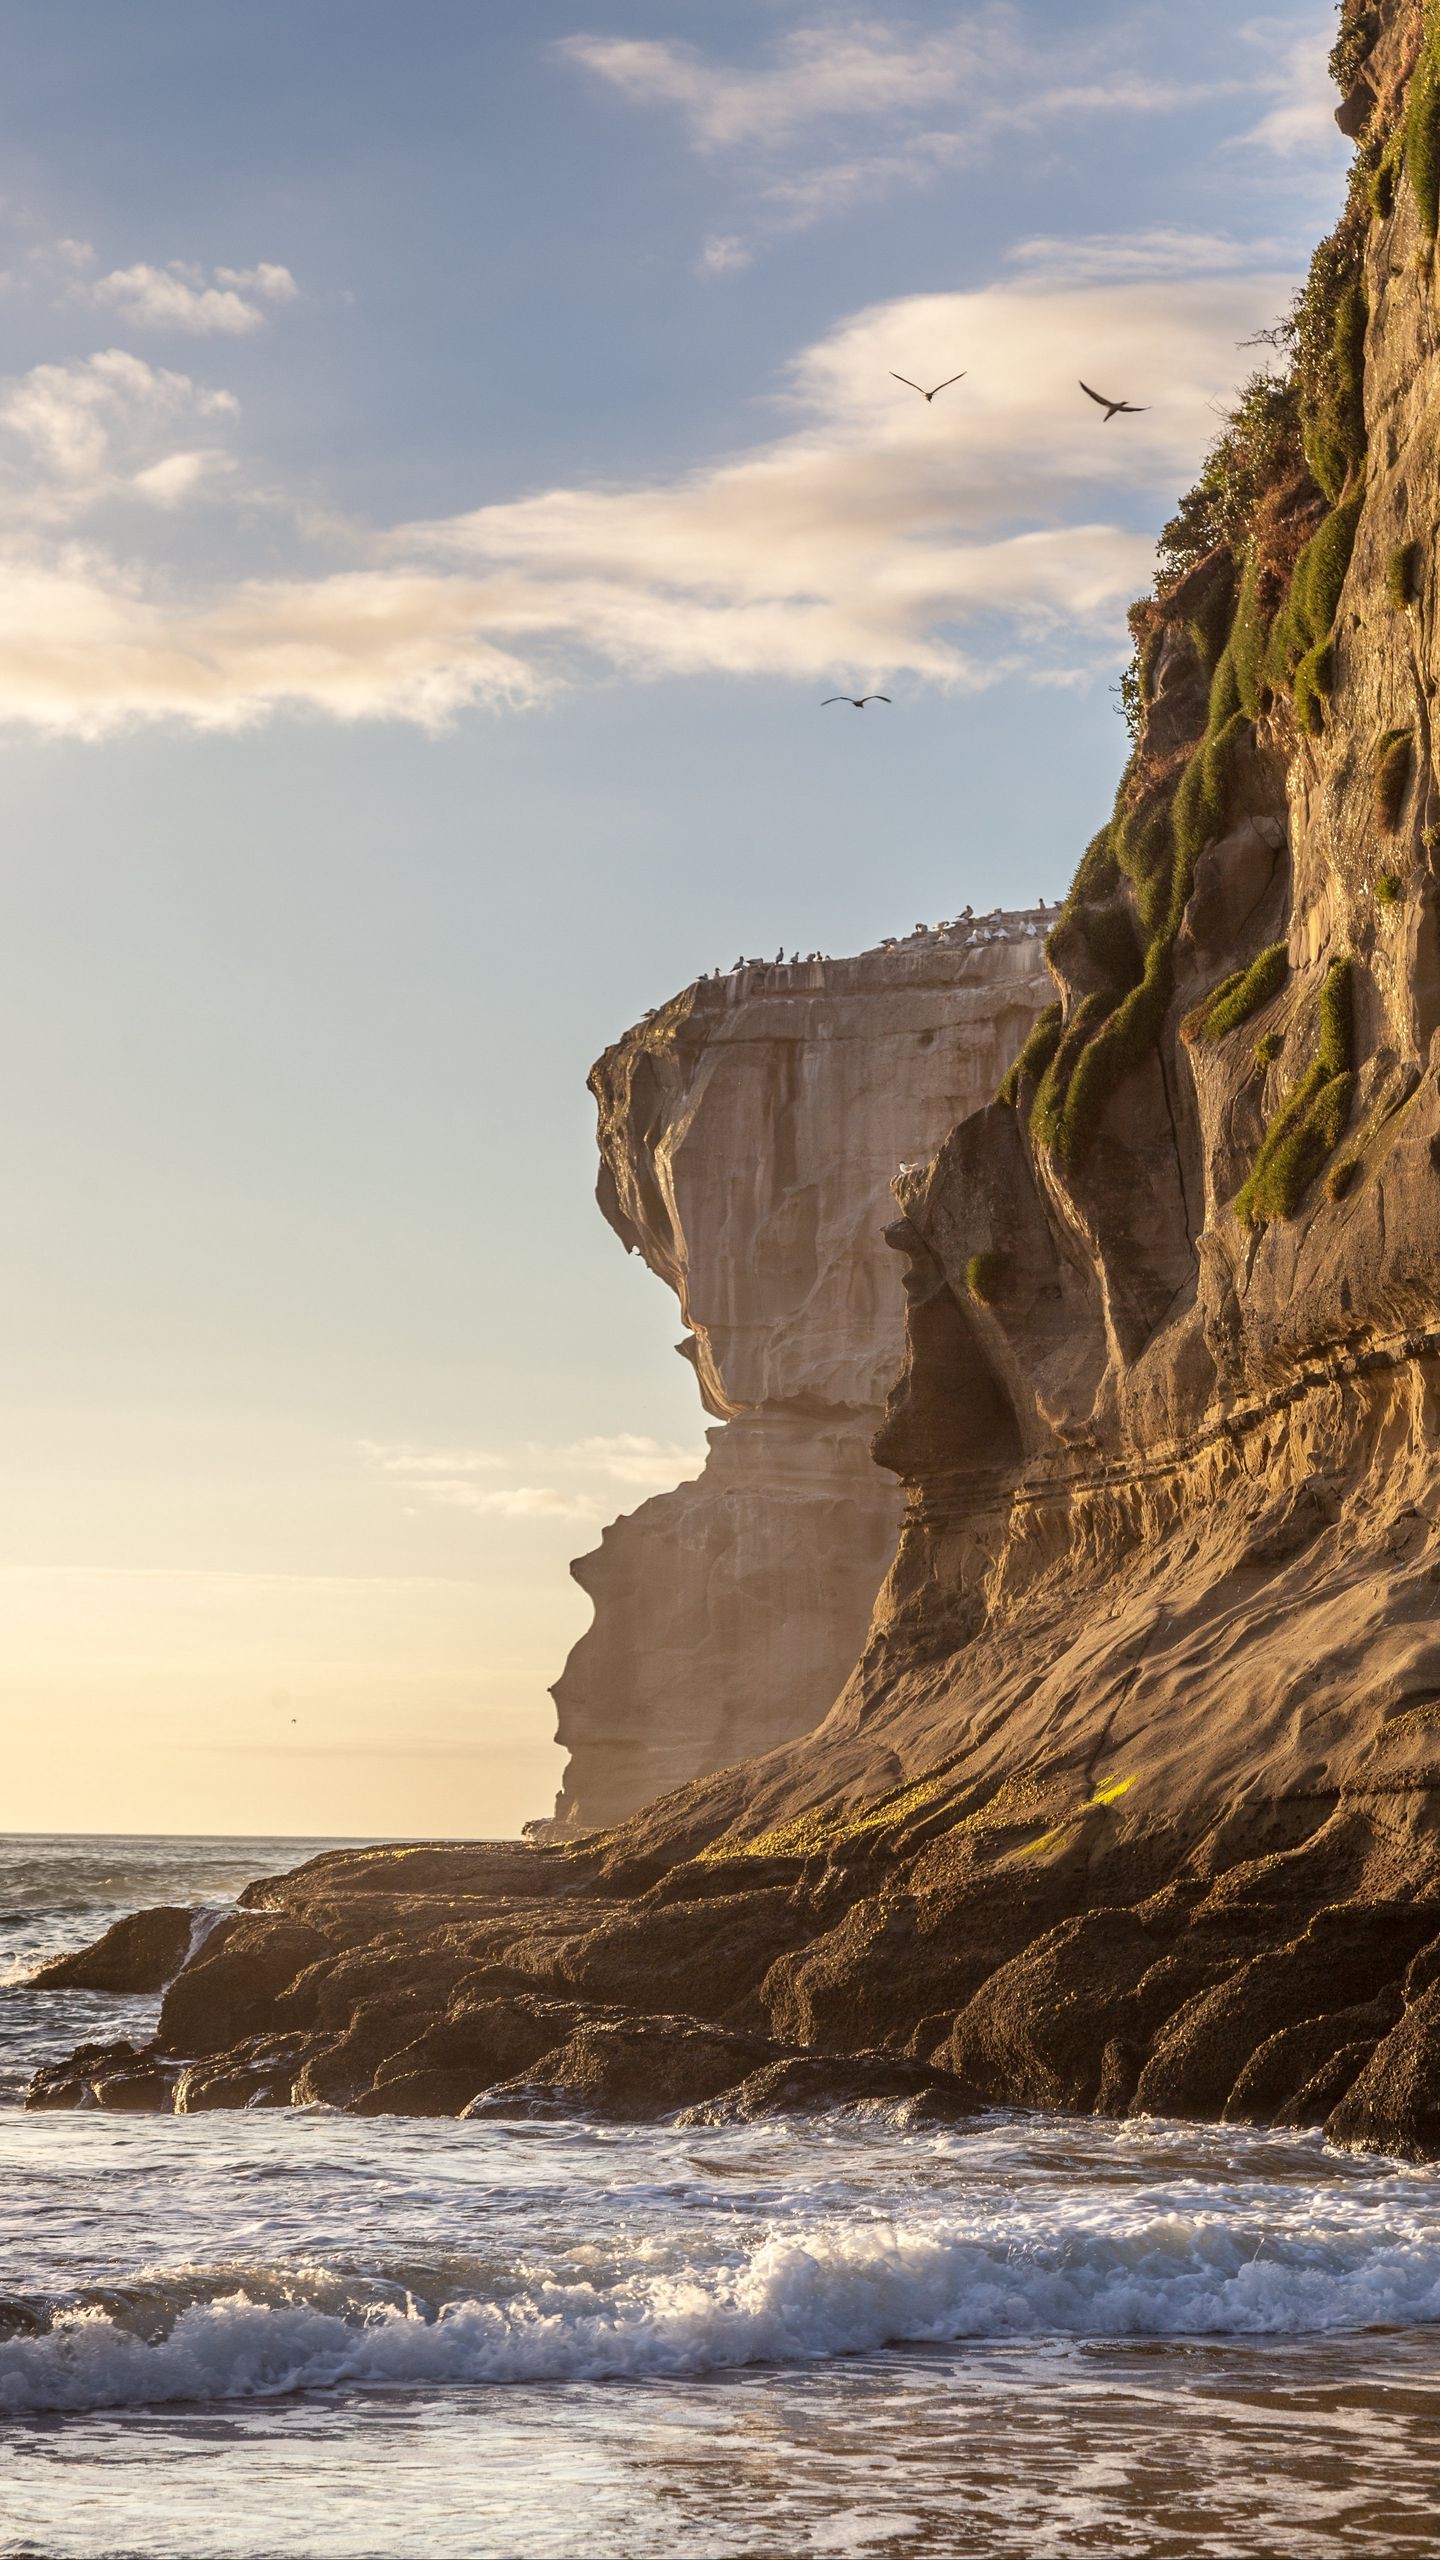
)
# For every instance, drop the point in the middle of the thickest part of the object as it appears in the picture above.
(749, 1134)
(1133, 1802)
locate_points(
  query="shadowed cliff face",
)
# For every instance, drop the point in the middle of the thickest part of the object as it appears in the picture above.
(749, 1134)
(1133, 1802)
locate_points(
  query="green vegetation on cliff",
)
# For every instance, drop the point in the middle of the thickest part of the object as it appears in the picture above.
(1394, 763)
(1036, 1055)
(1239, 995)
(1422, 126)
(1250, 575)
(985, 1278)
(1315, 1114)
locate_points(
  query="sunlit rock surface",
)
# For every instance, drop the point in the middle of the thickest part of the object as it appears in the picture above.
(750, 1134)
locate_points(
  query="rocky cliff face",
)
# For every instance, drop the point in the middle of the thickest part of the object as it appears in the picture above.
(1133, 1802)
(749, 1135)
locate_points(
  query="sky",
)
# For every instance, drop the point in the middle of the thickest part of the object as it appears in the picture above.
(446, 455)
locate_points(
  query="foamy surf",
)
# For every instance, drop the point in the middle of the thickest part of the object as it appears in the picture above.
(791, 2299)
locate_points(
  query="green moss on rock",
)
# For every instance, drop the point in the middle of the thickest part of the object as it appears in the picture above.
(985, 1278)
(1422, 126)
(1314, 1116)
(1394, 763)
(1036, 1054)
(1241, 994)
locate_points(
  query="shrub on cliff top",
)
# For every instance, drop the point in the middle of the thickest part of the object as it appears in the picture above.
(1389, 889)
(1394, 759)
(1268, 1048)
(1359, 25)
(1422, 126)
(1314, 1116)
(1259, 451)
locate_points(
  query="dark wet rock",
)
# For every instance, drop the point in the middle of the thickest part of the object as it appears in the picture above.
(231, 1990)
(1324, 2090)
(476, 2045)
(1393, 2104)
(1346, 1956)
(259, 2072)
(127, 2078)
(630, 2068)
(139, 1953)
(807, 2083)
(707, 1955)
(1281, 2080)
(1038, 2031)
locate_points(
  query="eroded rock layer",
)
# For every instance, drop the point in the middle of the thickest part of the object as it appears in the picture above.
(749, 1135)
(1133, 1803)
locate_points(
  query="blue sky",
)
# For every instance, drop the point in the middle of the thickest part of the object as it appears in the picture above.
(445, 455)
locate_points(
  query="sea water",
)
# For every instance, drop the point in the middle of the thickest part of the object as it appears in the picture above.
(224, 2337)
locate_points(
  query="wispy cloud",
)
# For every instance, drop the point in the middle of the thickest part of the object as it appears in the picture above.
(846, 69)
(231, 302)
(1291, 68)
(844, 109)
(588, 1476)
(869, 539)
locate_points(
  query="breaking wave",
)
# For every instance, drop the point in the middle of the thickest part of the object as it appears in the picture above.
(837, 2290)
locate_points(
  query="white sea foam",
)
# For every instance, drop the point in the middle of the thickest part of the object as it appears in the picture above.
(793, 2298)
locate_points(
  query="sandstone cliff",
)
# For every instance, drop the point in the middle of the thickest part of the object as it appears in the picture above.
(749, 1135)
(1134, 1800)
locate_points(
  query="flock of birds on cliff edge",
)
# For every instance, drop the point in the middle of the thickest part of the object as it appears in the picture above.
(1112, 409)
(975, 929)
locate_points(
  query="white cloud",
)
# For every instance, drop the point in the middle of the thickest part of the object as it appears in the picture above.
(74, 434)
(178, 297)
(1124, 256)
(833, 69)
(1293, 70)
(633, 1458)
(932, 96)
(88, 645)
(453, 1479)
(872, 539)
(179, 476)
(724, 253)
(874, 535)
(511, 1502)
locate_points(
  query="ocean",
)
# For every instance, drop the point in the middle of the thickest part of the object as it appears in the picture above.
(247, 2337)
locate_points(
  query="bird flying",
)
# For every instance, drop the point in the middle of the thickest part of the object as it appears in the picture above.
(1113, 408)
(920, 387)
(857, 701)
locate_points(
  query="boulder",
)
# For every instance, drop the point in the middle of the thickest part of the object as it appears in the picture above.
(1393, 2104)
(142, 1952)
(809, 2083)
(629, 2068)
(127, 2078)
(231, 1989)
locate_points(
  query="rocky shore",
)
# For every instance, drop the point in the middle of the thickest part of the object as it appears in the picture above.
(1132, 1802)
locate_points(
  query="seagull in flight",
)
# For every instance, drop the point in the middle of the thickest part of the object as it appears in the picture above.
(857, 701)
(925, 395)
(1113, 408)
